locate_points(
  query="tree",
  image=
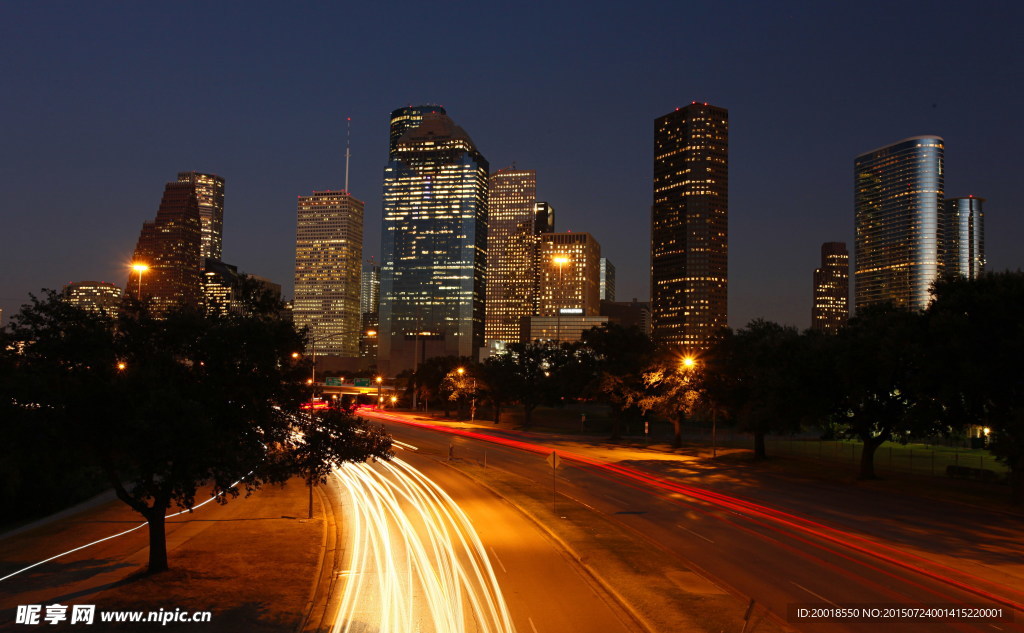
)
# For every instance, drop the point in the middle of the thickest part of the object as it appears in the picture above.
(672, 388)
(882, 374)
(497, 382)
(532, 364)
(165, 406)
(758, 376)
(330, 437)
(620, 356)
(977, 343)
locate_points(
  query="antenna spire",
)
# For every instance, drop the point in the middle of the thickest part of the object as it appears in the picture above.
(348, 154)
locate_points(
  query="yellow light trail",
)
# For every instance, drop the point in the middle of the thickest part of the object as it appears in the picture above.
(415, 561)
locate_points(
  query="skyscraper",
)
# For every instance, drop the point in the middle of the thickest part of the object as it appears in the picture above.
(170, 247)
(965, 236)
(328, 258)
(512, 241)
(369, 304)
(433, 244)
(831, 308)
(405, 119)
(210, 198)
(607, 280)
(899, 247)
(690, 225)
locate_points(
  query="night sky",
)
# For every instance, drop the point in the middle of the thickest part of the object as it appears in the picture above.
(103, 103)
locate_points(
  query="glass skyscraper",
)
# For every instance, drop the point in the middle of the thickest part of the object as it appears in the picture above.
(965, 236)
(210, 197)
(433, 243)
(900, 227)
(690, 226)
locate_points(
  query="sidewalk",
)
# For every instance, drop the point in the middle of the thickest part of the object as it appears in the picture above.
(252, 563)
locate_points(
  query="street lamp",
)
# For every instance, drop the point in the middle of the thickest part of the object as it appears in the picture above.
(472, 405)
(687, 364)
(380, 398)
(139, 268)
(560, 261)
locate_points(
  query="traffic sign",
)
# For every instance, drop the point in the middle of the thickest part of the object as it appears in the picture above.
(554, 460)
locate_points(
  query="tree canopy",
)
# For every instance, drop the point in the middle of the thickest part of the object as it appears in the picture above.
(167, 407)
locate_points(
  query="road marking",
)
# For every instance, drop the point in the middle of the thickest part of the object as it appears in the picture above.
(616, 500)
(501, 564)
(818, 596)
(531, 624)
(404, 445)
(694, 533)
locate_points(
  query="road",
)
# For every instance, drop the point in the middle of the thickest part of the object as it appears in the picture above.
(427, 549)
(780, 559)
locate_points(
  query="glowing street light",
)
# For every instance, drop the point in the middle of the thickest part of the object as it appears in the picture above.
(140, 268)
(560, 261)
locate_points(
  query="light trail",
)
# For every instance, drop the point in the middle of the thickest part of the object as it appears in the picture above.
(415, 561)
(1007, 596)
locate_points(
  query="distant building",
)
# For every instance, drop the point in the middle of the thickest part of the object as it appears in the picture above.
(369, 305)
(433, 243)
(95, 296)
(690, 226)
(899, 249)
(170, 249)
(210, 198)
(513, 231)
(328, 268)
(570, 274)
(965, 237)
(607, 280)
(629, 314)
(831, 308)
(220, 288)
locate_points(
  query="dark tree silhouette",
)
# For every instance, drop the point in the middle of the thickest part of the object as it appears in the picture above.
(163, 406)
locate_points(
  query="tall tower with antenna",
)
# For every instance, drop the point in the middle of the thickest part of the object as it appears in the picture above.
(328, 267)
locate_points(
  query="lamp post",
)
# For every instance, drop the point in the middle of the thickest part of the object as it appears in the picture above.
(688, 363)
(380, 398)
(140, 268)
(472, 405)
(560, 261)
(312, 355)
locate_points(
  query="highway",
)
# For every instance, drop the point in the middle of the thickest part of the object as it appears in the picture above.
(780, 559)
(429, 550)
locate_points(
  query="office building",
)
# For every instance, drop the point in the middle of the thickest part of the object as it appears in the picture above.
(690, 226)
(169, 247)
(899, 224)
(405, 119)
(831, 308)
(328, 258)
(965, 237)
(515, 220)
(369, 303)
(95, 296)
(629, 314)
(433, 244)
(210, 198)
(570, 275)
(221, 286)
(607, 280)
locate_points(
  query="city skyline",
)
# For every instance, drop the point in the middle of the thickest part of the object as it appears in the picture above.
(798, 119)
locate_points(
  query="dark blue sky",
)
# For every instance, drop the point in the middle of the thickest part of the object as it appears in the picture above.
(105, 102)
